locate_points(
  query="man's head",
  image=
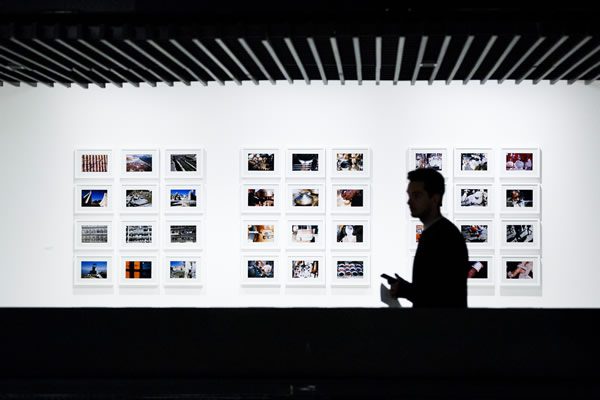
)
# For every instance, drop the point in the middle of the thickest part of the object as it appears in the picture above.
(425, 190)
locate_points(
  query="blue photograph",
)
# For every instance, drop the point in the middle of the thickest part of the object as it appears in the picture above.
(94, 269)
(94, 198)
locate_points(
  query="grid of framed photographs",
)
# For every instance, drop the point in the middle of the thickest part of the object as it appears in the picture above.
(142, 227)
(496, 196)
(310, 202)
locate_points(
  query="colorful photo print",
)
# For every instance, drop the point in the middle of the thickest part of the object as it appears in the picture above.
(519, 161)
(475, 233)
(349, 233)
(258, 269)
(138, 198)
(94, 163)
(304, 233)
(302, 162)
(183, 233)
(478, 269)
(182, 270)
(473, 161)
(418, 232)
(519, 198)
(138, 269)
(183, 198)
(520, 269)
(433, 160)
(94, 198)
(304, 268)
(261, 197)
(183, 162)
(262, 162)
(349, 161)
(305, 197)
(260, 233)
(91, 269)
(474, 197)
(349, 269)
(348, 198)
(519, 233)
(138, 162)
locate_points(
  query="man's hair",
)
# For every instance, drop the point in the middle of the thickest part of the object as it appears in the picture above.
(433, 181)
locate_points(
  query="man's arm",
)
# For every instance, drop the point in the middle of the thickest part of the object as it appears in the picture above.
(402, 288)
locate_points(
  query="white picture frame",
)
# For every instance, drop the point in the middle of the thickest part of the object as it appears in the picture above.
(345, 196)
(415, 230)
(509, 162)
(520, 234)
(93, 270)
(260, 234)
(473, 162)
(138, 234)
(305, 163)
(520, 199)
(93, 199)
(140, 163)
(139, 199)
(260, 270)
(300, 233)
(139, 270)
(183, 271)
(260, 198)
(525, 270)
(305, 270)
(184, 198)
(474, 198)
(350, 162)
(345, 270)
(93, 234)
(184, 163)
(483, 267)
(478, 233)
(305, 198)
(183, 234)
(429, 157)
(93, 164)
(260, 163)
(350, 234)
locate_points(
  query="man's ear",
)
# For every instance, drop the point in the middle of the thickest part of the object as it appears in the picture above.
(437, 198)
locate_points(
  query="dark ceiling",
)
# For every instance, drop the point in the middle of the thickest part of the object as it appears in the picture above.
(146, 42)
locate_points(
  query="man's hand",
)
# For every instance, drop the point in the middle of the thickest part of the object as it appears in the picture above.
(399, 288)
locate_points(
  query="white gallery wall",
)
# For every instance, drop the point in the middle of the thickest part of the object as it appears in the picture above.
(41, 127)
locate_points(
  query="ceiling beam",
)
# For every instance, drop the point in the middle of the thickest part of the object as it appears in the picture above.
(594, 79)
(84, 76)
(522, 59)
(482, 57)
(562, 59)
(16, 79)
(542, 58)
(117, 63)
(174, 59)
(461, 57)
(15, 62)
(275, 58)
(315, 53)
(357, 58)
(157, 62)
(338, 59)
(131, 59)
(377, 59)
(216, 61)
(399, 54)
(577, 64)
(256, 60)
(440, 59)
(506, 52)
(296, 57)
(422, 47)
(235, 60)
(584, 73)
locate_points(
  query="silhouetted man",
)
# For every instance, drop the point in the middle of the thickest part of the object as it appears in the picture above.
(442, 261)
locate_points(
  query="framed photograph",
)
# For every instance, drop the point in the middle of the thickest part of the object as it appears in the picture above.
(350, 270)
(184, 198)
(415, 230)
(92, 234)
(183, 234)
(351, 199)
(138, 270)
(305, 198)
(520, 163)
(478, 234)
(520, 234)
(94, 164)
(520, 270)
(520, 199)
(93, 270)
(305, 234)
(139, 199)
(481, 270)
(351, 163)
(140, 164)
(260, 234)
(260, 163)
(93, 199)
(474, 198)
(473, 163)
(260, 270)
(351, 234)
(261, 198)
(305, 163)
(139, 234)
(305, 270)
(434, 158)
(184, 164)
(183, 271)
